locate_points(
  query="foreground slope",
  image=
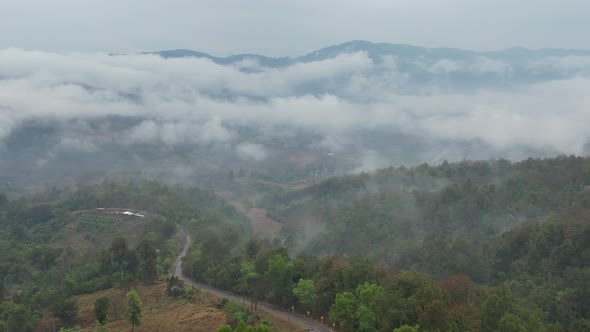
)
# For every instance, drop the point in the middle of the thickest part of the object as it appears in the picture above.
(160, 312)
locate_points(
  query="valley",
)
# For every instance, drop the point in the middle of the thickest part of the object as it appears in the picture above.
(249, 168)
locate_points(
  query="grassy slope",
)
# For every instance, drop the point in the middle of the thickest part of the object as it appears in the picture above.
(160, 312)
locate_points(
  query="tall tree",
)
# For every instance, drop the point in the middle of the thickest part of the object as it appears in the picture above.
(406, 295)
(101, 309)
(305, 293)
(365, 319)
(499, 303)
(149, 257)
(119, 251)
(369, 296)
(344, 310)
(66, 311)
(19, 319)
(133, 309)
(280, 273)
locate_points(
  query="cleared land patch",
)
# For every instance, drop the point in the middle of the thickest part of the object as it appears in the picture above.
(91, 231)
(160, 312)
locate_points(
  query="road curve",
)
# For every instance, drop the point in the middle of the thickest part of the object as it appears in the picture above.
(305, 323)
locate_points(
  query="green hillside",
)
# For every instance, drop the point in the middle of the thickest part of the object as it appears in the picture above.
(471, 246)
(61, 243)
(392, 213)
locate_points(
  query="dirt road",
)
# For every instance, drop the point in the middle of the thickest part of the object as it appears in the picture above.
(306, 324)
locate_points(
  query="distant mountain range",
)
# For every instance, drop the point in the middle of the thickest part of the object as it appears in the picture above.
(448, 67)
(377, 51)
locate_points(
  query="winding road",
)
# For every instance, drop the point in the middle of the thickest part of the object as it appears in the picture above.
(306, 324)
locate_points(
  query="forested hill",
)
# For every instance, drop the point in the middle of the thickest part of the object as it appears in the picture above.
(439, 219)
(471, 246)
(61, 243)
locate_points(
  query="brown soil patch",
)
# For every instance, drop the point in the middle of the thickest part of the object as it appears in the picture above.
(301, 159)
(247, 189)
(263, 225)
(160, 312)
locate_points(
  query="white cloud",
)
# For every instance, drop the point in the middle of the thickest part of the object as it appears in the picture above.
(251, 151)
(195, 101)
(566, 64)
(176, 133)
(445, 66)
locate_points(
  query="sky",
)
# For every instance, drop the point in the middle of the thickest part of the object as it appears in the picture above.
(288, 28)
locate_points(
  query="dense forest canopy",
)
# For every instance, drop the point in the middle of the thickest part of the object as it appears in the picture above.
(469, 246)
(392, 212)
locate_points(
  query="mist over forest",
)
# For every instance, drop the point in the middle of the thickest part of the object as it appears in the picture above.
(325, 166)
(364, 186)
(358, 106)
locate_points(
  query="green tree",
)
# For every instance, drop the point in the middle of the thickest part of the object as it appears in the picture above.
(496, 305)
(369, 295)
(149, 257)
(133, 309)
(248, 282)
(19, 319)
(511, 323)
(360, 270)
(69, 285)
(305, 293)
(101, 309)
(262, 328)
(407, 328)
(406, 296)
(344, 309)
(252, 247)
(241, 327)
(120, 252)
(365, 319)
(280, 274)
(66, 311)
(224, 328)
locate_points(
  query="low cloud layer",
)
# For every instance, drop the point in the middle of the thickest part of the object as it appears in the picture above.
(196, 101)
